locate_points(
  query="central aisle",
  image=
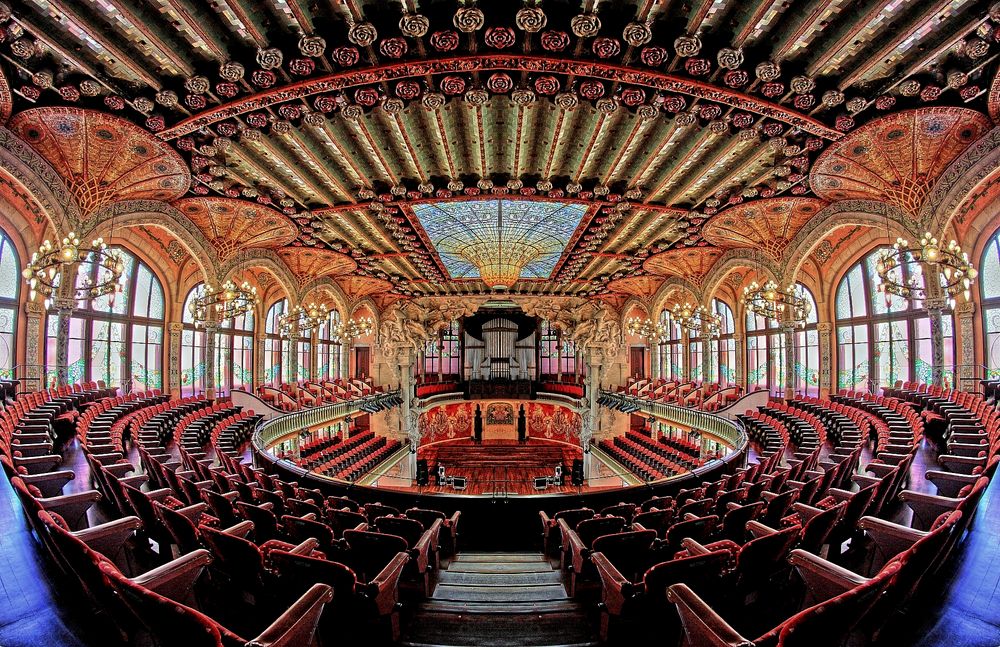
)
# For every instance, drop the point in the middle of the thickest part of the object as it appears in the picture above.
(499, 599)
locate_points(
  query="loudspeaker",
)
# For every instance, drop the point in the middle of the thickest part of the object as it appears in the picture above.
(576, 475)
(422, 471)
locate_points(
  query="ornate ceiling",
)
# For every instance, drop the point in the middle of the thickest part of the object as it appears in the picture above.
(338, 133)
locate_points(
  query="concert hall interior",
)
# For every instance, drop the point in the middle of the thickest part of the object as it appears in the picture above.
(536, 323)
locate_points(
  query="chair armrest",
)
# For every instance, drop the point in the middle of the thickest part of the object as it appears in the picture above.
(823, 578)
(384, 589)
(890, 538)
(109, 538)
(242, 529)
(160, 494)
(949, 483)
(72, 507)
(693, 547)
(50, 483)
(757, 529)
(175, 578)
(192, 511)
(297, 625)
(927, 507)
(37, 464)
(702, 625)
(806, 511)
(864, 481)
(615, 588)
(135, 480)
(306, 547)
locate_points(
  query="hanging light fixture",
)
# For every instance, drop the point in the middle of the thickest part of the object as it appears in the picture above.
(953, 266)
(788, 305)
(697, 320)
(228, 301)
(302, 319)
(645, 329)
(354, 328)
(44, 270)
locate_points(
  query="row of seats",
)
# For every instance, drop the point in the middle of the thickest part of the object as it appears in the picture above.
(648, 459)
(256, 538)
(728, 548)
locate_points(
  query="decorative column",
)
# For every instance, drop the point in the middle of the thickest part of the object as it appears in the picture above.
(314, 354)
(590, 419)
(739, 371)
(345, 359)
(63, 307)
(258, 360)
(292, 369)
(34, 342)
(788, 332)
(173, 372)
(210, 329)
(826, 367)
(686, 353)
(966, 313)
(654, 360)
(706, 359)
(935, 308)
(409, 418)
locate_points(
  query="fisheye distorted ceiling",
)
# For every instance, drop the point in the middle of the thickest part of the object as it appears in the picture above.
(631, 140)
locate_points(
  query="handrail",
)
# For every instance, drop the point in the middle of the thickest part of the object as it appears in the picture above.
(271, 430)
(728, 431)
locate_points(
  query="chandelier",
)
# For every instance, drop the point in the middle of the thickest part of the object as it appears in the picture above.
(645, 329)
(696, 320)
(225, 302)
(302, 319)
(788, 305)
(951, 262)
(355, 328)
(44, 270)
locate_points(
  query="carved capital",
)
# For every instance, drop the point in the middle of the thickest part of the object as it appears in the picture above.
(824, 328)
(33, 309)
(175, 327)
(965, 310)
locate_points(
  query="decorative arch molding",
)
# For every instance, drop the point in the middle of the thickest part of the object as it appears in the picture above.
(367, 303)
(36, 175)
(869, 213)
(340, 81)
(731, 260)
(268, 260)
(633, 302)
(340, 300)
(969, 169)
(672, 284)
(133, 213)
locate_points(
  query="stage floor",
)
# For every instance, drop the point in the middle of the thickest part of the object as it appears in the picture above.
(498, 468)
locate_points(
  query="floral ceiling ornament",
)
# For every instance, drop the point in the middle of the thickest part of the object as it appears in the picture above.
(585, 25)
(687, 46)
(730, 58)
(270, 58)
(414, 25)
(469, 19)
(637, 34)
(530, 19)
(362, 34)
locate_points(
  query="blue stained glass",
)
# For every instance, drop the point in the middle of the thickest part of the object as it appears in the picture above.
(456, 227)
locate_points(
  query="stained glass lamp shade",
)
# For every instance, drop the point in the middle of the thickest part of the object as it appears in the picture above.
(499, 240)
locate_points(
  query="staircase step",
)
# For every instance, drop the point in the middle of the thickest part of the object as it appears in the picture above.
(499, 630)
(493, 594)
(501, 558)
(499, 579)
(498, 608)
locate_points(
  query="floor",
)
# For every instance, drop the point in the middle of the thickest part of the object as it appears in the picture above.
(961, 608)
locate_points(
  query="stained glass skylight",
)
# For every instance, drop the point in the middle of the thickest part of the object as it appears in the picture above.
(499, 240)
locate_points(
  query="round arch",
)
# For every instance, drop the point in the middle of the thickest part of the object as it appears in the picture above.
(31, 171)
(669, 287)
(977, 163)
(340, 300)
(267, 260)
(734, 259)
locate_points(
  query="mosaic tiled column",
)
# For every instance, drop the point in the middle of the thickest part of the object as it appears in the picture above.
(314, 354)
(826, 367)
(63, 308)
(210, 342)
(706, 360)
(788, 332)
(345, 360)
(739, 370)
(686, 350)
(935, 308)
(408, 422)
(172, 377)
(654, 361)
(292, 369)
(34, 372)
(258, 361)
(966, 313)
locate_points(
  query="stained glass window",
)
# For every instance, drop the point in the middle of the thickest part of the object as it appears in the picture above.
(671, 351)
(472, 234)
(765, 355)
(116, 338)
(234, 354)
(723, 347)
(10, 274)
(884, 339)
(329, 352)
(989, 287)
(193, 346)
(276, 349)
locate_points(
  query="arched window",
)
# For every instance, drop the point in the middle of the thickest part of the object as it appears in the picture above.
(276, 349)
(806, 349)
(989, 276)
(193, 345)
(234, 354)
(671, 352)
(882, 339)
(724, 347)
(443, 355)
(116, 338)
(557, 353)
(304, 349)
(10, 282)
(765, 355)
(329, 351)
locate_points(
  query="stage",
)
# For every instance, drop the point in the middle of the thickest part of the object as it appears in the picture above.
(498, 468)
